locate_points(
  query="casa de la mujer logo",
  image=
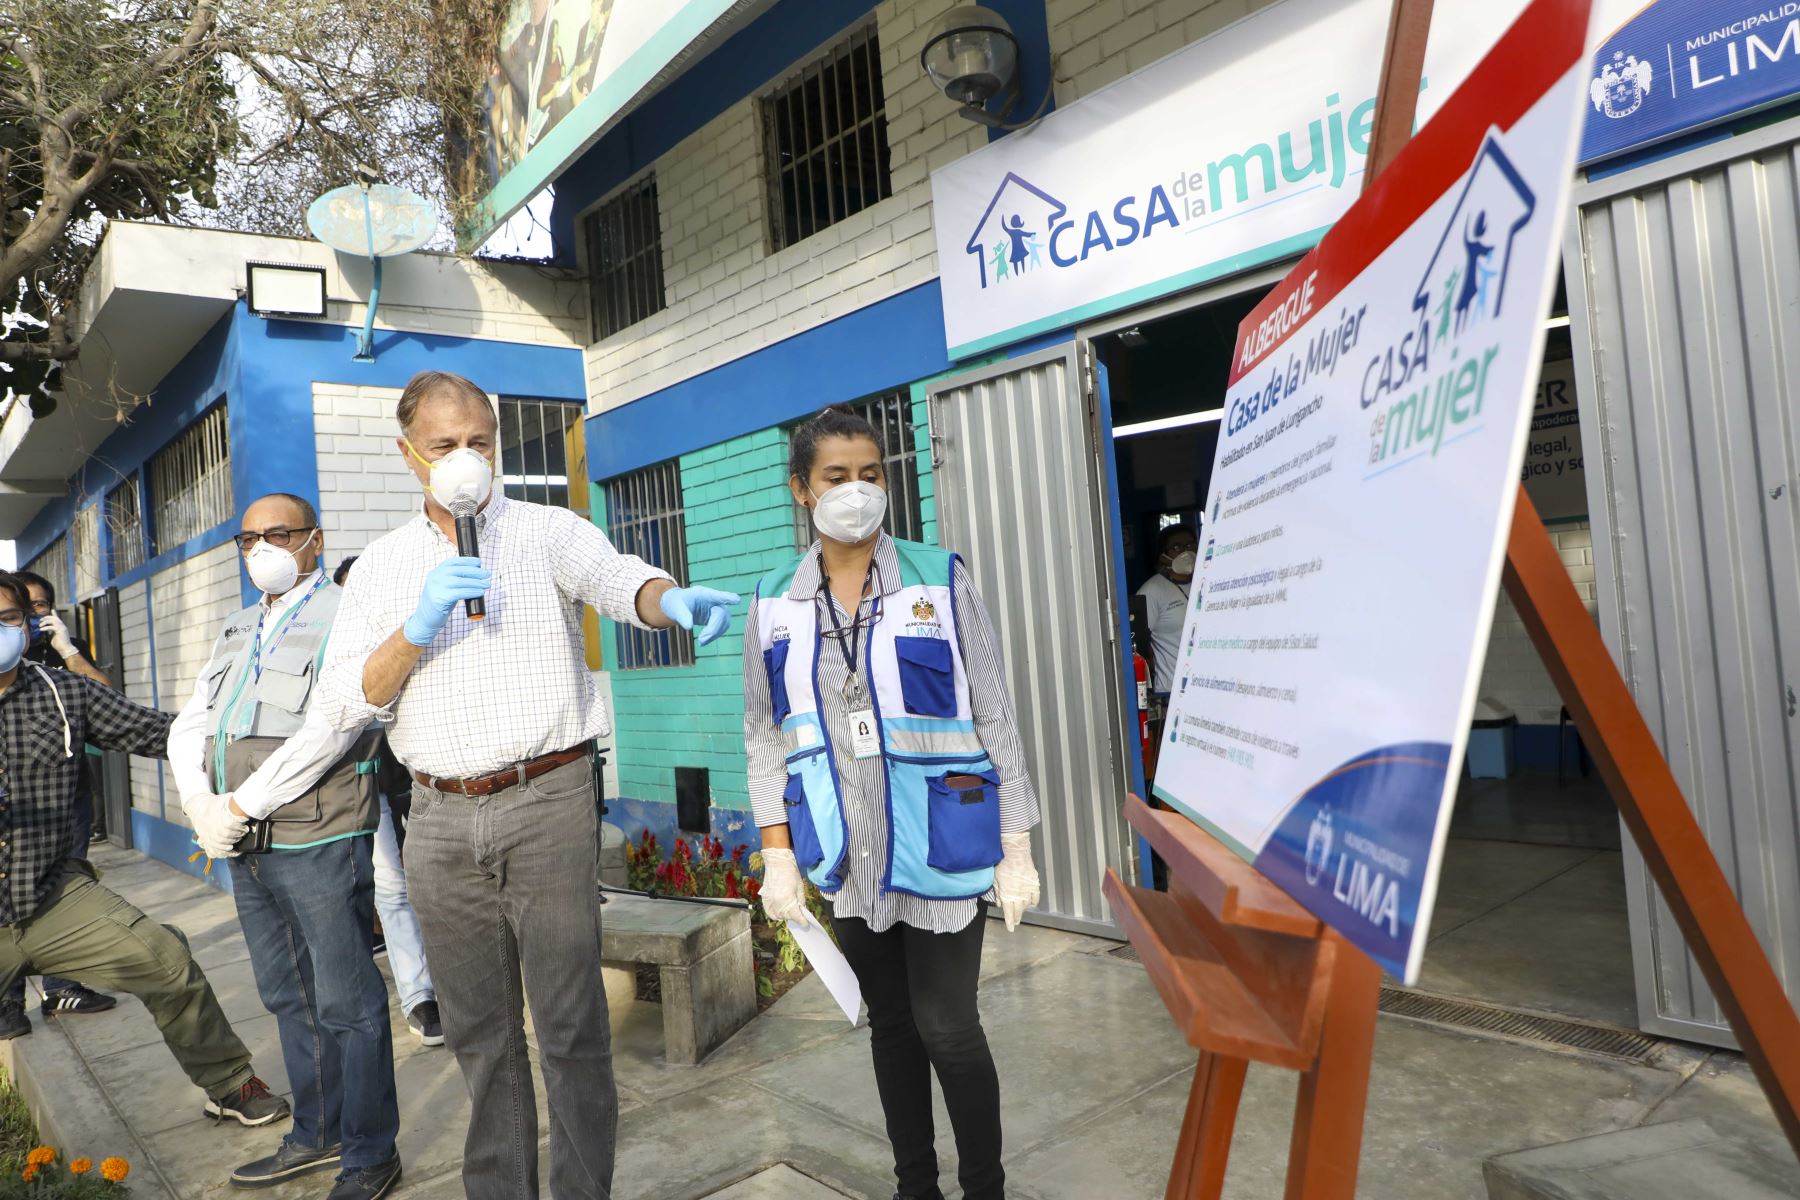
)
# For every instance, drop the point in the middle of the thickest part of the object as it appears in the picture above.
(1621, 86)
(1431, 382)
(1011, 239)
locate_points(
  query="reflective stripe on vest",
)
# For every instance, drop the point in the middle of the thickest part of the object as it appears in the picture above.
(943, 843)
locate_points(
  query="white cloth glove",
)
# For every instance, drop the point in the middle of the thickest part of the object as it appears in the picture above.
(783, 887)
(216, 827)
(60, 641)
(1016, 878)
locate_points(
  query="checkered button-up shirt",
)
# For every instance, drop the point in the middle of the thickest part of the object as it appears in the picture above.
(491, 693)
(41, 779)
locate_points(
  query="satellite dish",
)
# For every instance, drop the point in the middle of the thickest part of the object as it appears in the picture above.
(373, 221)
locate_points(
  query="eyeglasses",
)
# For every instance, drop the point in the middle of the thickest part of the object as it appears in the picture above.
(279, 536)
(12, 618)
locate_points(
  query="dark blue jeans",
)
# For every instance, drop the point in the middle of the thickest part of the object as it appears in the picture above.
(78, 848)
(308, 916)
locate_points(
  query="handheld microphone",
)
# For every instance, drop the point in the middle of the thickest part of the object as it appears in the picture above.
(463, 510)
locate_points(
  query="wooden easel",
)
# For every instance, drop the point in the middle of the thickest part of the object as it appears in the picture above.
(1250, 975)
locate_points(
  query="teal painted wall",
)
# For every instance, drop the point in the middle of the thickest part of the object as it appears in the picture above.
(740, 523)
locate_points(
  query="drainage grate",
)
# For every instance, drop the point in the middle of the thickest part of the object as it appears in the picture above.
(1128, 952)
(1585, 1037)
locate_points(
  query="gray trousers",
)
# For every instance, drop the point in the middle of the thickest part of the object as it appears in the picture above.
(504, 886)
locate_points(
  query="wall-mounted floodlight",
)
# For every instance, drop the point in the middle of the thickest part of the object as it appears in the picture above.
(972, 56)
(285, 289)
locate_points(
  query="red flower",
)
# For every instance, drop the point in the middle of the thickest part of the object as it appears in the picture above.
(753, 888)
(737, 853)
(731, 885)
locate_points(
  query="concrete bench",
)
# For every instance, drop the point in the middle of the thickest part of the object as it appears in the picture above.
(702, 952)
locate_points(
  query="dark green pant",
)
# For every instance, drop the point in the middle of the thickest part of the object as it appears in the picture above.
(86, 932)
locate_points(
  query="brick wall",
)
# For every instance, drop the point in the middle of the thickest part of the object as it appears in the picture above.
(1513, 674)
(134, 629)
(727, 296)
(365, 489)
(1098, 41)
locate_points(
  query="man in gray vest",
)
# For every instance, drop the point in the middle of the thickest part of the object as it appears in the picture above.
(291, 803)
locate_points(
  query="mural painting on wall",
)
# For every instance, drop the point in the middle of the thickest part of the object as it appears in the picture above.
(548, 63)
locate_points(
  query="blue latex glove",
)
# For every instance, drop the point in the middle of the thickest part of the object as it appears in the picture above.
(453, 580)
(689, 607)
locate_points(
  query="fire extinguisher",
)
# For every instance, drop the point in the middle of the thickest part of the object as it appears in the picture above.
(1141, 669)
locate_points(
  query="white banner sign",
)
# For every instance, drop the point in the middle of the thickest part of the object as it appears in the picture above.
(1375, 423)
(1239, 150)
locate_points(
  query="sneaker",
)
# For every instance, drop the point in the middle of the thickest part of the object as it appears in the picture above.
(423, 1020)
(367, 1183)
(77, 999)
(13, 1021)
(252, 1104)
(288, 1162)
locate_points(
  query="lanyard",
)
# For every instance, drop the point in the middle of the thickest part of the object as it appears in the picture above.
(847, 644)
(281, 628)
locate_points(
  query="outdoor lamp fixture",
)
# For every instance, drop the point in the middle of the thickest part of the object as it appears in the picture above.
(972, 56)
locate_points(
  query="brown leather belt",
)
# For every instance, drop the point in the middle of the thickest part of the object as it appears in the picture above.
(487, 785)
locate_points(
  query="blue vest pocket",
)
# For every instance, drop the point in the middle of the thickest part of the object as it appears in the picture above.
(965, 823)
(801, 830)
(775, 662)
(927, 676)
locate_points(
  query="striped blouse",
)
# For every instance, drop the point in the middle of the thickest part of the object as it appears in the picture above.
(862, 784)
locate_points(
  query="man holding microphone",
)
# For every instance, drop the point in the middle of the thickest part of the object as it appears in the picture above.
(494, 716)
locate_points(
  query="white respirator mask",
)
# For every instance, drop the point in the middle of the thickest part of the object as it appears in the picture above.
(850, 512)
(1183, 563)
(462, 479)
(273, 570)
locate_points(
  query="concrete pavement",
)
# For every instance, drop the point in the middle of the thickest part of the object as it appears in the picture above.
(1094, 1082)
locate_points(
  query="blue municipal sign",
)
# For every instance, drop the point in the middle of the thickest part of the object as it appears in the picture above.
(1685, 64)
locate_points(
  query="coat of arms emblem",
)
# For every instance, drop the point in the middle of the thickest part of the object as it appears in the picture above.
(1620, 87)
(924, 610)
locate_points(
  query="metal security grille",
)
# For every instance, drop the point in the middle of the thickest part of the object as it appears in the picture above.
(625, 275)
(84, 537)
(53, 564)
(125, 525)
(644, 517)
(534, 459)
(190, 482)
(891, 415)
(825, 141)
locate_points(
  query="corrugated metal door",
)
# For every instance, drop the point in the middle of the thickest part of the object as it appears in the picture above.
(1688, 304)
(1018, 496)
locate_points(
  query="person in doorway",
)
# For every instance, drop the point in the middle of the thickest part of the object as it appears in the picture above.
(495, 718)
(290, 803)
(52, 647)
(57, 918)
(1165, 596)
(404, 944)
(886, 767)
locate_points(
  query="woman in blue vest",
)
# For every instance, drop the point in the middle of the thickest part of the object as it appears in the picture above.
(886, 767)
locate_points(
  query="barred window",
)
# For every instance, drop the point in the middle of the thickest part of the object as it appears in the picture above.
(644, 517)
(125, 526)
(53, 564)
(84, 539)
(190, 482)
(534, 460)
(825, 142)
(625, 277)
(891, 415)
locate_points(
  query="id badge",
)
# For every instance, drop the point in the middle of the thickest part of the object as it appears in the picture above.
(865, 741)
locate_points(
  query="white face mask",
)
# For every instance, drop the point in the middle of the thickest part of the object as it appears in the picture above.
(462, 477)
(273, 570)
(1183, 563)
(850, 512)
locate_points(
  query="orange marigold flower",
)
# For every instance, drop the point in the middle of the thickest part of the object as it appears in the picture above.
(114, 1170)
(30, 1174)
(43, 1156)
(80, 1166)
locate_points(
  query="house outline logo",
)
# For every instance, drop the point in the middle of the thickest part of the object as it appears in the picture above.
(1474, 288)
(1018, 245)
(1622, 85)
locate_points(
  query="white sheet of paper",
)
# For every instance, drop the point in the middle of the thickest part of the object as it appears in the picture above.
(831, 965)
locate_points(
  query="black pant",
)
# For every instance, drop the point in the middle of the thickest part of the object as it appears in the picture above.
(921, 989)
